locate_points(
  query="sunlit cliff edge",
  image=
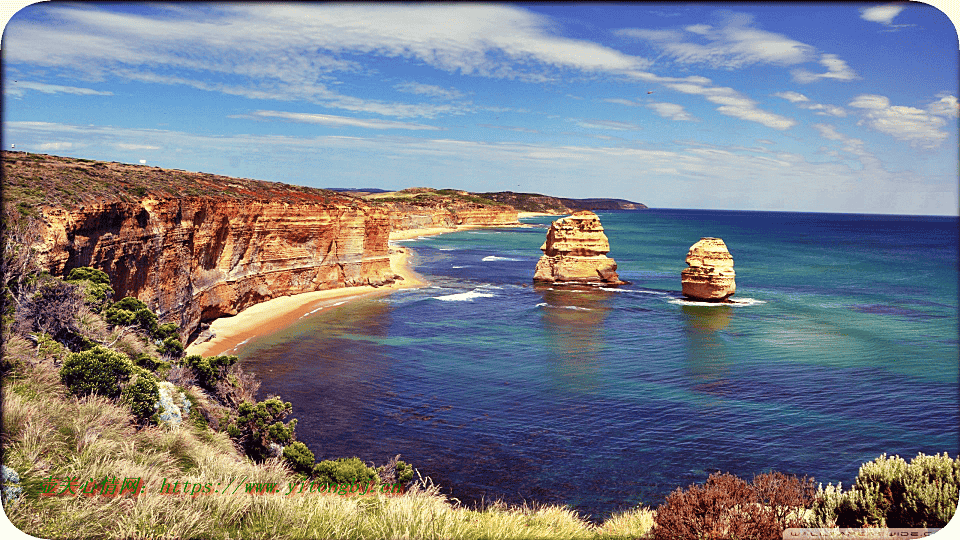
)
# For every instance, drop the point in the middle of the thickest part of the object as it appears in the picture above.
(197, 246)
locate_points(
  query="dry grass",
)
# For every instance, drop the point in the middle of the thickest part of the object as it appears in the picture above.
(47, 432)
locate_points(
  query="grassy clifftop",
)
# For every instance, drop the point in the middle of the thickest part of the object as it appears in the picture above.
(33, 180)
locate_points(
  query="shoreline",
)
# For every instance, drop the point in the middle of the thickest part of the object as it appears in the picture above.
(521, 215)
(279, 313)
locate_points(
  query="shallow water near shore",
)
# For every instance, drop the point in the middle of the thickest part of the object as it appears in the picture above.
(842, 345)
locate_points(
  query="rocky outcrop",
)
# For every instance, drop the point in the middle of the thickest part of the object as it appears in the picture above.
(195, 259)
(710, 276)
(575, 253)
(448, 216)
(535, 202)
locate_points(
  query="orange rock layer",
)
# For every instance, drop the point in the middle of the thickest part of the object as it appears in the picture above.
(195, 259)
(710, 276)
(575, 253)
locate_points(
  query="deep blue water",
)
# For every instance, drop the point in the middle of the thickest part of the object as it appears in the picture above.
(843, 347)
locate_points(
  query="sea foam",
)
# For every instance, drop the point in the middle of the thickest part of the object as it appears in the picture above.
(463, 297)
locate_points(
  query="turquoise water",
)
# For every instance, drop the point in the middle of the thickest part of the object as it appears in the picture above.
(842, 346)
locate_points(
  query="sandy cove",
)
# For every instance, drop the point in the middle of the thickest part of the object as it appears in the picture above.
(279, 313)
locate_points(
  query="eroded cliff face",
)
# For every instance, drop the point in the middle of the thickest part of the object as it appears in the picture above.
(195, 259)
(575, 253)
(449, 216)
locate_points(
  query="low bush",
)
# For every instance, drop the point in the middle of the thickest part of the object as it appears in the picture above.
(259, 427)
(344, 471)
(129, 312)
(207, 368)
(728, 507)
(889, 492)
(142, 394)
(95, 284)
(96, 371)
(299, 457)
(50, 305)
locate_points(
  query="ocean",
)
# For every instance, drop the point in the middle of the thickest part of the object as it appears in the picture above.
(842, 346)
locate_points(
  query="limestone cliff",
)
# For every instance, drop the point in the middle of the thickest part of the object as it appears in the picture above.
(575, 253)
(197, 246)
(710, 276)
(426, 208)
(195, 259)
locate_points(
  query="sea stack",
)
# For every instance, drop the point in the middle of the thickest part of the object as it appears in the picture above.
(575, 253)
(710, 276)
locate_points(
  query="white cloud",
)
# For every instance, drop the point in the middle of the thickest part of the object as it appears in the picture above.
(16, 88)
(607, 124)
(733, 44)
(55, 146)
(621, 101)
(298, 46)
(881, 14)
(732, 103)
(919, 127)
(804, 102)
(837, 69)
(428, 90)
(132, 146)
(342, 121)
(671, 111)
(792, 97)
(946, 106)
(668, 174)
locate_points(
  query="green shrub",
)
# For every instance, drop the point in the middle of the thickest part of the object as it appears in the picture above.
(142, 394)
(171, 347)
(207, 368)
(299, 457)
(344, 471)
(889, 492)
(259, 427)
(96, 371)
(95, 284)
(130, 311)
(404, 472)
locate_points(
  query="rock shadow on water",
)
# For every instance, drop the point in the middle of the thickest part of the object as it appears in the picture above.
(574, 320)
(707, 365)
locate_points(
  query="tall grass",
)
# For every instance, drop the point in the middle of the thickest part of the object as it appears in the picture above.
(47, 432)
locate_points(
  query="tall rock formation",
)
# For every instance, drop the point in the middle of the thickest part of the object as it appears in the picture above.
(710, 276)
(575, 253)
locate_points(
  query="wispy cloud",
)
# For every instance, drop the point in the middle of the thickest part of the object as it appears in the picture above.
(881, 14)
(305, 45)
(134, 146)
(945, 106)
(672, 111)
(804, 102)
(607, 124)
(731, 102)
(919, 127)
(340, 121)
(666, 171)
(837, 70)
(17, 89)
(428, 90)
(733, 43)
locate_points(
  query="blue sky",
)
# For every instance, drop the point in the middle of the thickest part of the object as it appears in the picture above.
(804, 107)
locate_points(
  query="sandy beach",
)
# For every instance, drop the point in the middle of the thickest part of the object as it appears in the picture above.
(273, 315)
(521, 215)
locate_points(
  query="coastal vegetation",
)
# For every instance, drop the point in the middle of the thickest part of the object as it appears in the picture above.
(75, 418)
(98, 396)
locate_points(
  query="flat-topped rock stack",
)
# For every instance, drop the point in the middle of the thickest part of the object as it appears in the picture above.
(575, 253)
(710, 276)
